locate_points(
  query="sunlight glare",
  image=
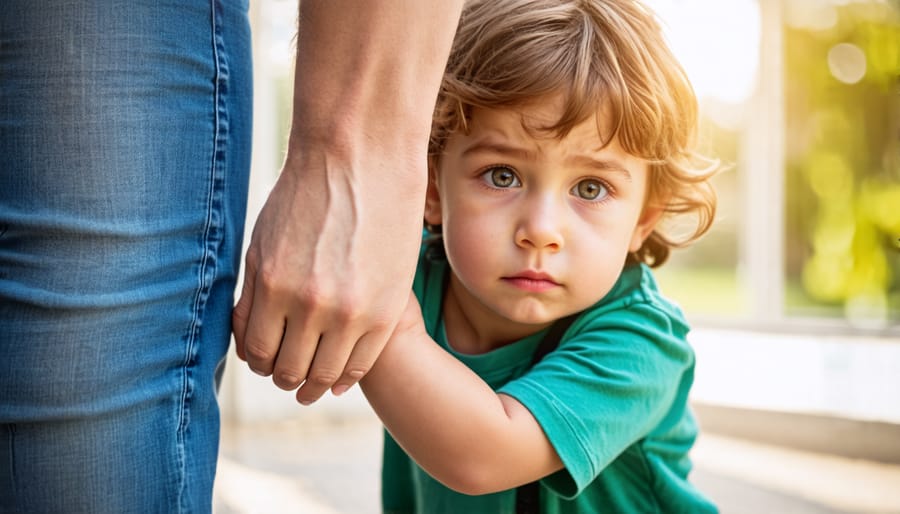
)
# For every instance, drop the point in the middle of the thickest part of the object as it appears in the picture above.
(847, 63)
(717, 43)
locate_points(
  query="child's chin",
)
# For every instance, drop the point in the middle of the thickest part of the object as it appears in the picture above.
(532, 317)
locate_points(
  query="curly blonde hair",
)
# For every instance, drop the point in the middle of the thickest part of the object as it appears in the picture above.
(606, 56)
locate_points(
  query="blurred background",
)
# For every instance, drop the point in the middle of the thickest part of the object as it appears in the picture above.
(794, 294)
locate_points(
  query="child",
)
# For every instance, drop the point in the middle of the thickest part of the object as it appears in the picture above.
(561, 141)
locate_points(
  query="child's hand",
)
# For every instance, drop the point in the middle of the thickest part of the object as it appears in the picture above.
(409, 331)
(411, 322)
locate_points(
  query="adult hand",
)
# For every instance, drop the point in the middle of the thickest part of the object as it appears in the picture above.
(334, 249)
(329, 269)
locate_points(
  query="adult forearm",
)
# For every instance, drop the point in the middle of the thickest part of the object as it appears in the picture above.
(333, 250)
(368, 72)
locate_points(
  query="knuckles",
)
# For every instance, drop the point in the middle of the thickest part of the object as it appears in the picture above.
(258, 351)
(287, 381)
(323, 378)
(318, 298)
(269, 280)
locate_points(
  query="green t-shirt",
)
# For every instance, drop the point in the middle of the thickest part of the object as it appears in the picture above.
(612, 399)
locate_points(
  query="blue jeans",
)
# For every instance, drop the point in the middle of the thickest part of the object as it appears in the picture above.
(124, 162)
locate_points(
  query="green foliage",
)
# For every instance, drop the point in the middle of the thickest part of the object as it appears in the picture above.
(843, 163)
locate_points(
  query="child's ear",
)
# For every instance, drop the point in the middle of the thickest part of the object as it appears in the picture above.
(646, 223)
(432, 197)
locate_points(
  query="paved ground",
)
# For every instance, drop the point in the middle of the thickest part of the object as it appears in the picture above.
(324, 465)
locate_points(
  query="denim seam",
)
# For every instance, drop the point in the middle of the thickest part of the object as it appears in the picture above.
(12, 488)
(210, 241)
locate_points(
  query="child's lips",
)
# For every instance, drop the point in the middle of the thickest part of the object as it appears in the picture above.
(532, 281)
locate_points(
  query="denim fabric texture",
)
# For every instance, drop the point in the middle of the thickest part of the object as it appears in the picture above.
(124, 162)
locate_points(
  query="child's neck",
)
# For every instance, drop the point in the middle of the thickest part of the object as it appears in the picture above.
(472, 329)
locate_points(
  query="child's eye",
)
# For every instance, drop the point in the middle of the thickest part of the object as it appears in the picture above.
(590, 189)
(501, 177)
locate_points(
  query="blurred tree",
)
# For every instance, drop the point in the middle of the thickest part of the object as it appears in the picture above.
(842, 97)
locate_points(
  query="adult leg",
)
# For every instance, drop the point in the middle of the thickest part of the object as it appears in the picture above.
(124, 159)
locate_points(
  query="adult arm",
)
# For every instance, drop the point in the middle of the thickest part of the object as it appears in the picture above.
(449, 420)
(333, 252)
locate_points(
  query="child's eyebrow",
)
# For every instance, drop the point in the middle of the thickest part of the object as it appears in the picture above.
(602, 165)
(488, 145)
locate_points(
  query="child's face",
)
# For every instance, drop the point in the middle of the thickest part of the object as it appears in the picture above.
(536, 227)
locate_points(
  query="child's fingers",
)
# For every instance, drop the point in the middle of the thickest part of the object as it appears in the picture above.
(361, 360)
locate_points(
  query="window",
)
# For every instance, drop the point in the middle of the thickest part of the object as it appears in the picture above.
(802, 100)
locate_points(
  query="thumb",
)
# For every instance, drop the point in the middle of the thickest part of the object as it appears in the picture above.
(240, 315)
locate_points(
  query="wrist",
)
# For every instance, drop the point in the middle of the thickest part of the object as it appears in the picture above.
(351, 135)
(364, 162)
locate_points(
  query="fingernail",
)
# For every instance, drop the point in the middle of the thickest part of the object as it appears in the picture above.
(258, 372)
(289, 379)
(340, 389)
(305, 402)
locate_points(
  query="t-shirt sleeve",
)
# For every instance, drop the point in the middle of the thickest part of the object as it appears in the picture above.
(612, 379)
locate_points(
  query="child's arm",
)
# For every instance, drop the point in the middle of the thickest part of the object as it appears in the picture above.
(449, 420)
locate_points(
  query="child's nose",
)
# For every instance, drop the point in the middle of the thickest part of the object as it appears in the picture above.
(541, 225)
